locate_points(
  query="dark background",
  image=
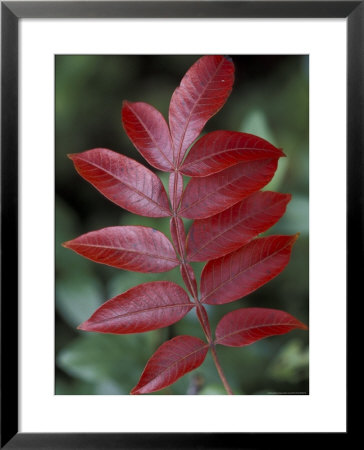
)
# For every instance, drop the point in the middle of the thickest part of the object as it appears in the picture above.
(269, 99)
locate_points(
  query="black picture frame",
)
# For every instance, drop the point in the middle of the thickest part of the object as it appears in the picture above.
(11, 13)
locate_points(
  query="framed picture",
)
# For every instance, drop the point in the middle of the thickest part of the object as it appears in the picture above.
(66, 67)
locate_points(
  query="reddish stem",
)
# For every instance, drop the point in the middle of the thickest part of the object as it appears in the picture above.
(192, 288)
(219, 369)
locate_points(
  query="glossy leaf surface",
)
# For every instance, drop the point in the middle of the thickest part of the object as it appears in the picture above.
(237, 274)
(226, 232)
(248, 325)
(170, 362)
(149, 132)
(202, 92)
(219, 150)
(123, 181)
(207, 196)
(135, 248)
(146, 307)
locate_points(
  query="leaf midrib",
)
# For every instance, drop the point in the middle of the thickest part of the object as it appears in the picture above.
(192, 110)
(141, 311)
(152, 138)
(120, 249)
(132, 188)
(251, 328)
(217, 153)
(173, 364)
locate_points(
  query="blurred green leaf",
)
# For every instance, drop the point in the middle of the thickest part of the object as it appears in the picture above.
(109, 388)
(295, 219)
(291, 364)
(73, 387)
(213, 389)
(67, 228)
(100, 358)
(77, 297)
(255, 122)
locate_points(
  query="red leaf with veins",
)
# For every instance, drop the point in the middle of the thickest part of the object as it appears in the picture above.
(149, 132)
(123, 181)
(135, 248)
(248, 325)
(225, 232)
(207, 196)
(219, 150)
(202, 92)
(237, 274)
(146, 307)
(170, 362)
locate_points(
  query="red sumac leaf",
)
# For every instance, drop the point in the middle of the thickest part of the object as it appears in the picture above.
(248, 325)
(146, 307)
(123, 181)
(219, 150)
(225, 232)
(149, 132)
(202, 92)
(170, 362)
(136, 248)
(206, 196)
(237, 274)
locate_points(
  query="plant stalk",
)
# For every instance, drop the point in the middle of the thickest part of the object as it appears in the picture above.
(201, 312)
(219, 370)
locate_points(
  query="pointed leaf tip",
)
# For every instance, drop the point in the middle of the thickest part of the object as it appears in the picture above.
(136, 248)
(171, 361)
(146, 307)
(202, 92)
(124, 181)
(219, 150)
(247, 325)
(149, 133)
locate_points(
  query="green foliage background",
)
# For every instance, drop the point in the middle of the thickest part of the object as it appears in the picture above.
(269, 99)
